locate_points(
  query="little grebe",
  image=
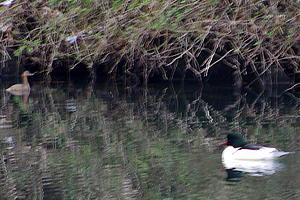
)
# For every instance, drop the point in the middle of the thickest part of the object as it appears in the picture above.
(20, 89)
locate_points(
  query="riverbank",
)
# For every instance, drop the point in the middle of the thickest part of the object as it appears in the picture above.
(140, 40)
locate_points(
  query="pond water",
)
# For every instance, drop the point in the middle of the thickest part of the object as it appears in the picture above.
(159, 142)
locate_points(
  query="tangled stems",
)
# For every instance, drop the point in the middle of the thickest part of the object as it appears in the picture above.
(141, 38)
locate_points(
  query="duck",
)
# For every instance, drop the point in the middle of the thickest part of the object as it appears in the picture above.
(237, 149)
(239, 158)
(23, 88)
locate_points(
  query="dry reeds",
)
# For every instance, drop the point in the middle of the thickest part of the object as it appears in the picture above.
(140, 38)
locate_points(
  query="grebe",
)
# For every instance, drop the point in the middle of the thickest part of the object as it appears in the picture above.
(21, 89)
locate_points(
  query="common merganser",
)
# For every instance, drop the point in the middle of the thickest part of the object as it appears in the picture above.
(239, 158)
(238, 150)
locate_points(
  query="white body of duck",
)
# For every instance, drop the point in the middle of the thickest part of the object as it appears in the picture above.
(253, 160)
(255, 153)
(238, 150)
(254, 167)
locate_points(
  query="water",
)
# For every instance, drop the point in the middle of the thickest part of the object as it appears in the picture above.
(109, 142)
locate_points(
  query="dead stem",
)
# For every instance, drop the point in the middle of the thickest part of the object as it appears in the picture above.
(154, 36)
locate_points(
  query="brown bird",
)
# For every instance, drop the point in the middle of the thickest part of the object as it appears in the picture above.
(21, 89)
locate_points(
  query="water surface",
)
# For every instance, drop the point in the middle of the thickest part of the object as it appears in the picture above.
(159, 142)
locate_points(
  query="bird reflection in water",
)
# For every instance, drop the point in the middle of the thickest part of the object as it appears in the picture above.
(236, 168)
(22, 89)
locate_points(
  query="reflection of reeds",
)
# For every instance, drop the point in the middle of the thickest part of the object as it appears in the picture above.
(127, 143)
(8, 189)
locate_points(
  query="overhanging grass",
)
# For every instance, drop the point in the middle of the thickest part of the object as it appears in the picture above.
(139, 38)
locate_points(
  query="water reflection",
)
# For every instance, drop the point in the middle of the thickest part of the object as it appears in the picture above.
(235, 168)
(137, 143)
(234, 175)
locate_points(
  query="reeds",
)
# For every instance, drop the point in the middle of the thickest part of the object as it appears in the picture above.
(140, 38)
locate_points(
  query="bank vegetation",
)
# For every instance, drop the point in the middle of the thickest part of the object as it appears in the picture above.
(139, 39)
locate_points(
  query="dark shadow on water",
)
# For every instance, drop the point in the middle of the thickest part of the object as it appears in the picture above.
(234, 175)
(155, 142)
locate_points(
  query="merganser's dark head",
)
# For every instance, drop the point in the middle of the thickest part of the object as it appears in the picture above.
(235, 140)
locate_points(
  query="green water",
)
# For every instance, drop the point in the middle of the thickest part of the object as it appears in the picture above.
(106, 142)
